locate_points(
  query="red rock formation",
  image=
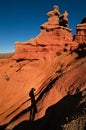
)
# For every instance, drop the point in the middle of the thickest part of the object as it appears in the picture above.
(48, 42)
(52, 38)
(80, 33)
(62, 73)
(51, 63)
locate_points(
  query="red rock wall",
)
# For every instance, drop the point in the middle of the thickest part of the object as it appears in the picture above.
(46, 43)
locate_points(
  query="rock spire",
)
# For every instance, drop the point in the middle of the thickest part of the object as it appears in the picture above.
(54, 36)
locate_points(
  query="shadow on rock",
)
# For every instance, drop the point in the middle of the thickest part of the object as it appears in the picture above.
(25, 125)
(56, 115)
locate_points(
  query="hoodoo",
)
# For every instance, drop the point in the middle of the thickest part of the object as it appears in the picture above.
(53, 37)
(43, 84)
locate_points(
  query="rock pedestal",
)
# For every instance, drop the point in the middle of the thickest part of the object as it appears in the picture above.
(54, 16)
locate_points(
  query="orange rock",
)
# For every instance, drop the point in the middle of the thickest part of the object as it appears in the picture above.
(80, 35)
(52, 63)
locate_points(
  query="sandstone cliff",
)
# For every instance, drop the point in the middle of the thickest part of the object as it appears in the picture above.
(55, 65)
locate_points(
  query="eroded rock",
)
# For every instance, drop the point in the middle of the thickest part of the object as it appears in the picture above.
(80, 35)
(55, 66)
(52, 38)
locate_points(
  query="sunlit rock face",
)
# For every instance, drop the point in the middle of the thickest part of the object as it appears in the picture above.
(80, 35)
(54, 36)
(54, 64)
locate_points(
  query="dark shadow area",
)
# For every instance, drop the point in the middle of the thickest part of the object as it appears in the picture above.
(25, 125)
(83, 20)
(2, 127)
(81, 51)
(20, 60)
(57, 115)
(63, 22)
(85, 127)
(33, 108)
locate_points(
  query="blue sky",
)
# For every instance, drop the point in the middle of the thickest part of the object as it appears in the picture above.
(20, 20)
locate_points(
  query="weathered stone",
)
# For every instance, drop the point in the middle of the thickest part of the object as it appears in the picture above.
(48, 42)
(59, 77)
(51, 39)
(54, 16)
(64, 19)
(80, 35)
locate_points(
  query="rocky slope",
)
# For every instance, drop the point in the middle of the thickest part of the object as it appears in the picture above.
(56, 67)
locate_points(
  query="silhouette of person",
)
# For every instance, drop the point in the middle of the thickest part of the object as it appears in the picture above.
(33, 104)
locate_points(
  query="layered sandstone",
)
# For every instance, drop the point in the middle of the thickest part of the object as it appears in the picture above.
(81, 33)
(54, 36)
(52, 77)
(55, 66)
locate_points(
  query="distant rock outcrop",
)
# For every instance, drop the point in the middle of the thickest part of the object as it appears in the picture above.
(80, 35)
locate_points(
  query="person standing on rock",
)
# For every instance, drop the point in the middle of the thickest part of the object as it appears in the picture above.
(33, 104)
